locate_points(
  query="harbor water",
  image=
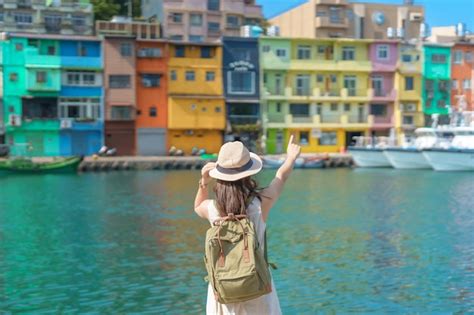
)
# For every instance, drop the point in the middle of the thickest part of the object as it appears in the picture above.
(383, 241)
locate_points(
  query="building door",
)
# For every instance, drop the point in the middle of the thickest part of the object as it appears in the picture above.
(279, 142)
(377, 85)
(360, 113)
(278, 84)
(350, 137)
(350, 85)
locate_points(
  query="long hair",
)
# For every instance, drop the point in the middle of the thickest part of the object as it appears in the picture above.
(233, 197)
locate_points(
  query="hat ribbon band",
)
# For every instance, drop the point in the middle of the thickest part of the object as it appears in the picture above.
(235, 170)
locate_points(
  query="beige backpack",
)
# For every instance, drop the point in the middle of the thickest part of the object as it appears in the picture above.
(237, 269)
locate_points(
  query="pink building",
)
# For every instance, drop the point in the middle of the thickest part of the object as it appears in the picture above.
(202, 20)
(384, 57)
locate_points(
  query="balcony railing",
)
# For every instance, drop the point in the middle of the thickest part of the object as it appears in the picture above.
(330, 118)
(302, 119)
(243, 119)
(357, 119)
(302, 92)
(276, 118)
(325, 21)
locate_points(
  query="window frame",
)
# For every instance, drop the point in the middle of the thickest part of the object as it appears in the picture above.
(128, 84)
(230, 89)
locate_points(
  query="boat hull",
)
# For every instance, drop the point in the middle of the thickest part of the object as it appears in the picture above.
(369, 157)
(450, 160)
(407, 159)
(66, 165)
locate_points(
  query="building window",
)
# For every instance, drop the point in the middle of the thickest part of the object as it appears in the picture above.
(328, 138)
(190, 76)
(117, 81)
(177, 17)
(196, 19)
(126, 49)
(319, 78)
(454, 84)
(468, 57)
(210, 75)
(466, 84)
(206, 52)
(121, 112)
(378, 109)
(441, 103)
(213, 26)
(438, 58)
(13, 76)
(241, 82)
(407, 120)
(233, 21)
(304, 52)
(409, 84)
(82, 78)
(304, 137)
(457, 57)
(149, 52)
(196, 38)
(280, 52)
(52, 22)
(382, 52)
(1, 17)
(347, 107)
(217, 109)
(150, 80)
(22, 18)
(321, 49)
(51, 50)
(348, 53)
(443, 85)
(333, 78)
(278, 107)
(18, 46)
(176, 37)
(241, 54)
(334, 107)
(41, 77)
(266, 48)
(406, 58)
(302, 85)
(173, 75)
(81, 49)
(179, 51)
(152, 112)
(78, 20)
(213, 5)
(299, 110)
(79, 108)
(350, 83)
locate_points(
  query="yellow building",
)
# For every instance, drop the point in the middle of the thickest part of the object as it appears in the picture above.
(408, 114)
(317, 90)
(196, 107)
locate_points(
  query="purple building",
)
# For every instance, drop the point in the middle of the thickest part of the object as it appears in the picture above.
(384, 57)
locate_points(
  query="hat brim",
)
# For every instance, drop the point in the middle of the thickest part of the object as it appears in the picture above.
(256, 167)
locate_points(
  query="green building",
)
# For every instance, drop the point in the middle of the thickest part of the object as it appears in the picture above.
(436, 91)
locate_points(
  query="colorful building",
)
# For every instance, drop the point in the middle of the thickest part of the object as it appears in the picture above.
(462, 67)
(52, 94)
(384, 58)
(196, 107)
(317, 90)
(120, 93)
(241, 74)
(408, 80)
(436, 91)
(152, 97)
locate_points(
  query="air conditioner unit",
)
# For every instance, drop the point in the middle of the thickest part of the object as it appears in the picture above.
(66, 123)
(273, 30)
(409, 107)
(400, 32)
(416, 17)
(14, 120)
(390, 32)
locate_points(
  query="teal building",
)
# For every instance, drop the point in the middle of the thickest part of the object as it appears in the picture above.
(436, 92)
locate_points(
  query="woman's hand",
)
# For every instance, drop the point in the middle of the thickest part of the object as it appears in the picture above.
(293, 150)
(205, 172)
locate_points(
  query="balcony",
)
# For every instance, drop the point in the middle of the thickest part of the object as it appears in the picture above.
(24, 4)
(355, 93)
(354, 65)
(319, 121)
(411, 120)
(243, 119)
(33, 59)
(409, 67)
(275, 118)
(383, 95)
(253, 11)
(80, 62)
(327, 22)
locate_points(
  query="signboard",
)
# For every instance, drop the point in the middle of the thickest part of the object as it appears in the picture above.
(241, 65)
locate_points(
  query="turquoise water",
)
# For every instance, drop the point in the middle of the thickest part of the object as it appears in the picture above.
(344, 241)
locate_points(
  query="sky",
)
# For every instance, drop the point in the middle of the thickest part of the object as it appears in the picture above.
(438, 12)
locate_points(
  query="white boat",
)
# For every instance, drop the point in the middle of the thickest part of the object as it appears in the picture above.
(368, 152)
(459, 156)
(410, 155)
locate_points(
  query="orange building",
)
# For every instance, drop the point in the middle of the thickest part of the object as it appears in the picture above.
(152, 97)
(461, 73)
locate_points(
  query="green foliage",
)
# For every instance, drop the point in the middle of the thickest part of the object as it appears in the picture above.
(106, 9)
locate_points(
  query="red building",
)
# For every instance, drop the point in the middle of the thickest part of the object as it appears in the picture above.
(462, 69)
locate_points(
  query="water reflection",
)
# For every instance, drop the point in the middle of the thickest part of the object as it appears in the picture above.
(345, 241)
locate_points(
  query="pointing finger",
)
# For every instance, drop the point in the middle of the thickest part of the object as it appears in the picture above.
(291, 140)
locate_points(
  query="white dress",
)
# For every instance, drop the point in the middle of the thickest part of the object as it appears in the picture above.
(266, 304)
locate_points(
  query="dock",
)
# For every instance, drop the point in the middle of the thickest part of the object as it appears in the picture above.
(123, 163)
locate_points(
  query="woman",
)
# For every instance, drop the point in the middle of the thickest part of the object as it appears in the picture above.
(237, 192)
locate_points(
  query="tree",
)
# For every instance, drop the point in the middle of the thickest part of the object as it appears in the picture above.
(106, 9)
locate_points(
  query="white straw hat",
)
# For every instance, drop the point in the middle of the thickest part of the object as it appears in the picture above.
(235, 162)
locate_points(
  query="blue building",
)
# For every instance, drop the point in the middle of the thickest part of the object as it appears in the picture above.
(81, 104)
(241, 72)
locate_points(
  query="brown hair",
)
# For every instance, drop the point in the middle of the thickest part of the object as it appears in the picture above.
(233, 197)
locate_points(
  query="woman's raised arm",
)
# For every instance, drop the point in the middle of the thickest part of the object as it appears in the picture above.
(272, 193)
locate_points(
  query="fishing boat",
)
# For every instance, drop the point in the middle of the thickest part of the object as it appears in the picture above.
(28, 166)
(459, 156)
(368, 152)
(273, 162)
(410, 155)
